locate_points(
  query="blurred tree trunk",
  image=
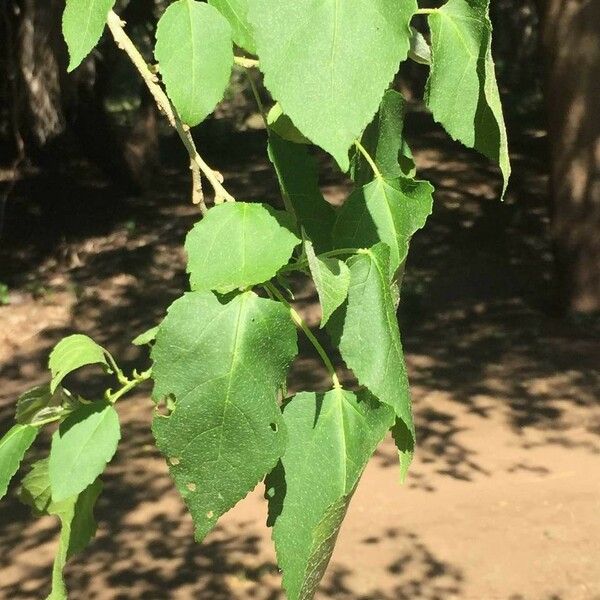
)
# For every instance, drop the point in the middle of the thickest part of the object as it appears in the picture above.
(44, 102)
(571, 39)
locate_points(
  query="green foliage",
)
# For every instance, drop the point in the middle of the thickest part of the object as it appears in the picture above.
(72, 353)
(297, 174)
(236, 12)
(330, 439)
(387, 210)
(223, 363)
(462, 92)
(13, 447)
(238, 245)
(326, 51)
(221, 356)
(332, 280)
(81, 447)
(195, 56)
(82, 25)
(76, 516)
(367, 332)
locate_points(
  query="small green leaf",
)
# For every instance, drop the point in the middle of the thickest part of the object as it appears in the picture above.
(238, 245)
(146, 338)
(282, 125)
(462, 92)
(236, 12)
(332, 279)
(13, 447)
(72, 353)
(83, 23)
(384, 141)
(35, 488)
(39, 404)
(81, 447)
(367, 332)
(223, 363)
(78, 527)
(330, 440)
(298, 179)
(419, 51)
(329, 62)
(195, 55)
(385, 210)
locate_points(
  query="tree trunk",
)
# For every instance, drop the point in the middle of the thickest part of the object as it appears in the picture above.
(571, 38)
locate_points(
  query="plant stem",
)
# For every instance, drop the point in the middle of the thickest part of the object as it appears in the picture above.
(299, 321)
(426, 11)
(331, 254)
(112, 397)
(125, 43)
(369, 159)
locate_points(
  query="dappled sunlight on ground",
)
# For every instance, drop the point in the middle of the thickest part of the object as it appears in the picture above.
(502, 500)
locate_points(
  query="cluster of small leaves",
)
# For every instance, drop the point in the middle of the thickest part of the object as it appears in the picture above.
(221, 355)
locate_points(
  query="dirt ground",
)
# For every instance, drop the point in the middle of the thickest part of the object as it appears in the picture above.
(503, 500)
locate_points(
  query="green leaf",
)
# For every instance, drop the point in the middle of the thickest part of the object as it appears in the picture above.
(195, 55)
(82, 24)
(35, 488)
(368, 336)
(81, 448)
(405, 443)
(13, 447)
(329, 62)
(145, 338)
(72, 353)
(298, 179)
(39, 404)
(223, 363)
(419, 51)
(330, 440)
(78, 527)
(236, 12)
(462, 92)
(385, 210)
(384, 141)
(332, 279)
(237, 245)
(282, 125)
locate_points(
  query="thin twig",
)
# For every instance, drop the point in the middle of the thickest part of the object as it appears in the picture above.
(125, 43)
(197, 192)
(248, 63)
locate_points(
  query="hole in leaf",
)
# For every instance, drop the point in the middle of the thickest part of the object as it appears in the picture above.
(274, 427)
(174, 461)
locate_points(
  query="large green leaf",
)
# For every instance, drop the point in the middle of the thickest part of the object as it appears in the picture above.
(76, 515)
(223, 363)
(13, 447)
(367, 332)
(237, 245)
(462, 92)
(332, 279)
(385, 210)
(83, 23)
(81, 447)
(328, 62)
(72, 353)
(384, 141)
(236, 12)
(330, 439)
(195, 55)
(298, 179)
